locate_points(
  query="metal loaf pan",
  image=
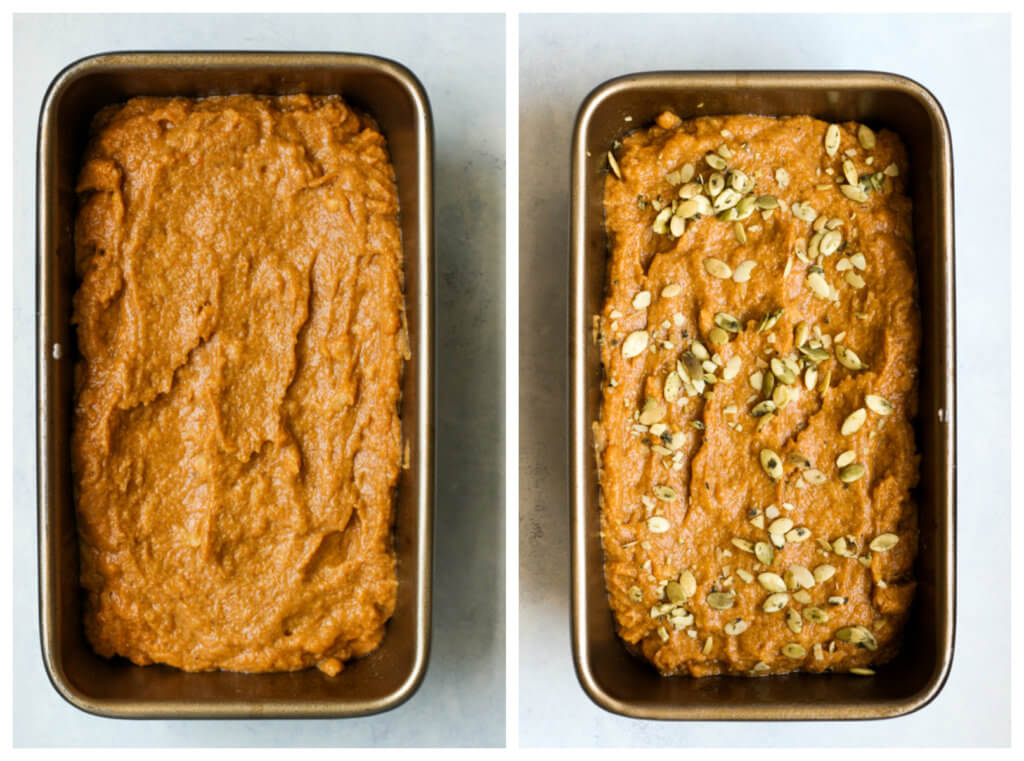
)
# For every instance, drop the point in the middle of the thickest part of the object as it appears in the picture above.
(622, 683)
(382, 680)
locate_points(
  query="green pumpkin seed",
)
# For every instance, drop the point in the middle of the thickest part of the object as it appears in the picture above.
(692, 365)
(793, 650)
(673, 387)
(878, 404)
(726, 200)
(665, 493)
(642, 300)
(657, 524)
(768, 384)
(763, 408)
(814, 477)
(771, 463)
(764, 553)
(884, 542)
(688, 582)
(653, 412)
(798, 577)
(803, 212)
(717, 268)
(782, 373)
(854, 193)
(866, 137)
(718, 337)
(815, 615)
(832, 139)
(775, 602)
(850, 172)
(854, 421)
(716, 162)
(793, 621)
(845, 458)
(740, 234)
(798, 534)
(727, 322)
(769, 320)
(771, 582)
(614, 165)
(862, 671)
(677, 226)
(737, 627)
(852, 473)
(674, 592)
(848, 358)
(635, 344)
(721, 600)
(742, 273)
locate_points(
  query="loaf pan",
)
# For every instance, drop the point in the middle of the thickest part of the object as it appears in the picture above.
(612, 677)
(115, 687)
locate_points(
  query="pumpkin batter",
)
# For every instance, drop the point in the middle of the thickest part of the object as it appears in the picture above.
(236, 439)
(760, 343)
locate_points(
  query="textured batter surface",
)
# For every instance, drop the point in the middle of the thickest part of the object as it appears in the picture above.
(760, 343)
(236, 437)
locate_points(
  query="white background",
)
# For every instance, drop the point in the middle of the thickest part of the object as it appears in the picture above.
(461, 62)
(964, 61)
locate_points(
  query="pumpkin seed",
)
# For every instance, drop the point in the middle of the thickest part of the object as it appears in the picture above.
(775, 602)
(686, 172)
(716, 184)
(866, 137)
(688, 582)
(739, 181)
(814, 477)
(878, 404)
(689, 191)
(814, 353)
(891, 171)
(767, 202)
(862, 671)
(768, 384)
(798, 577)
(832, 139)
(717, 268)
(718, 337)
(798, 534)
(660, 225)
(771, 582)
(665, 493)
(745, 575)
(844, 547)
(780, 525)
(793, 650)
(815, 615)
(845, 458)
(742, 273)
(636, 594)
(781, 372)
(674, 592)
(771, 463)
(726, 321)
(852, 473)
(811, 377)
(803, 211)
(726, 200)
(642, 300)
(734, 628)
(884, 542)
(764, 553)
(760, 667)
(614, 165)
(854, 280)
(716, 162)
(657, 524)
(673, 386)
(634, 344)
(793, 621)
(692, 365)
(800, 460)
(763, 408)
(769, 320)
(850, 172)
(739, 232)
(854, 421)
(854, 193)
(677, 226)
(830, 242)
(848, 358)
(744, 545)
(721, 600)
(652, 412)
(858, 261)
(731, 369)
(819, 285)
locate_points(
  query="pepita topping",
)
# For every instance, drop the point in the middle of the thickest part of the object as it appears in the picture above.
(713, 231)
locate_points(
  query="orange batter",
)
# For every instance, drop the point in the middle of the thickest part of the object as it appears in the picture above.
(236, 437)
(760, 342)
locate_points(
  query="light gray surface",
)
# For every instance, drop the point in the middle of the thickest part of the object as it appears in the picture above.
(561, 60)
(461, 62)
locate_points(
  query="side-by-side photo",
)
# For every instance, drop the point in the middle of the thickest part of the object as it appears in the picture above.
(753, 417)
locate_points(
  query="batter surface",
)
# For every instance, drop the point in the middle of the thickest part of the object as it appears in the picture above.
(760, 343)
(236, 438)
